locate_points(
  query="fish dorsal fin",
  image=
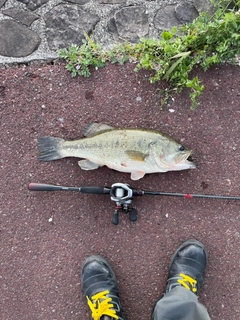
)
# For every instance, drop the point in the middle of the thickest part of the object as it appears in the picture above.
(95, 128)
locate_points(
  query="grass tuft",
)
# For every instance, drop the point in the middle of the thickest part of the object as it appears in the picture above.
(207, 41)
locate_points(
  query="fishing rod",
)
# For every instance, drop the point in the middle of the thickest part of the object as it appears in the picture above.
(122, 194)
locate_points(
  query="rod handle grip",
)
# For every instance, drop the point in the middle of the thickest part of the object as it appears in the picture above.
(42, 187)
(94, 190)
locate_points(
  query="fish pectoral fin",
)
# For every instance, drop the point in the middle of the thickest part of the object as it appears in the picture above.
(88, 165)
(136, 175)
(136, 155)
(95, 128)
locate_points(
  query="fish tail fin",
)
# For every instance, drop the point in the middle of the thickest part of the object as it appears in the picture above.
(49, 148)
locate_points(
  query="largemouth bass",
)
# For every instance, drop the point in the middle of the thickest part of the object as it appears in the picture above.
(138, 151)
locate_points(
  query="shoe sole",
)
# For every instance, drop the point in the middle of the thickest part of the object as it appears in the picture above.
(186, 243)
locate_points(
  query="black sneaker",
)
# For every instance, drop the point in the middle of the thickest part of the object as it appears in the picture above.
(188, 266)
(99, 286)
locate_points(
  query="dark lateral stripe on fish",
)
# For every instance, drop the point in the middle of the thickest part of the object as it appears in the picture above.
(49, 148)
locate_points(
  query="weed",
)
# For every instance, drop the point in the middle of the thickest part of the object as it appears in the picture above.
(207, 41)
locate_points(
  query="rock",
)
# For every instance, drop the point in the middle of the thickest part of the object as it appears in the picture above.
(16, 40)
(62, 23)
(203, 6)
(165, 18)
(131, 23)
(81, 2)
(23, 16)
(113, 1)
(33, 4)
(186, 12)
(2, 2)
(65, 25)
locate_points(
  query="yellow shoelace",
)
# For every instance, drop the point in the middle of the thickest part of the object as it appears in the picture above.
(189, 280)
(101, 305)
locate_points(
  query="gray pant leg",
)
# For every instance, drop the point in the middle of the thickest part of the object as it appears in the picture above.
(180, 304)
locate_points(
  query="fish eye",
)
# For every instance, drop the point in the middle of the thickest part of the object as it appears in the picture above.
(181, 148)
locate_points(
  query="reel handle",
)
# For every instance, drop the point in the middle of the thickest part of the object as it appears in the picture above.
(115, 219)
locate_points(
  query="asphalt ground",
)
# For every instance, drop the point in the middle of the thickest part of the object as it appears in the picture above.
(45, 236)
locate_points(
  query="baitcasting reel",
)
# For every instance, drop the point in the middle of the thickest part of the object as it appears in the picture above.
(122, 195)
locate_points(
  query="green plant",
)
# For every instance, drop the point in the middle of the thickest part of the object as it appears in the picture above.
(208, 40)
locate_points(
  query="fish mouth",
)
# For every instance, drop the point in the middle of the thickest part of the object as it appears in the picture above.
(185, 155)
(186, 158)
(190, 158)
